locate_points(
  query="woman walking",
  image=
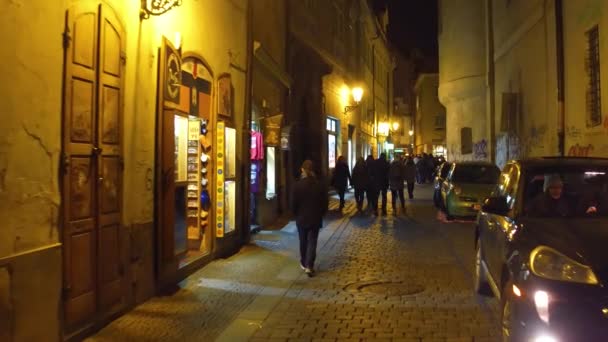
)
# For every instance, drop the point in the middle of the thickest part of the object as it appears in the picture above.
(360, 181)
(309, 205)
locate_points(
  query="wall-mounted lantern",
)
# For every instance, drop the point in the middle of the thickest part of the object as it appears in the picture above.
(357, 94)
(157, 7)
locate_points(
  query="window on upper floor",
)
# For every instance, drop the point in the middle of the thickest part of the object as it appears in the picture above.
(592, 66)
(439, 122)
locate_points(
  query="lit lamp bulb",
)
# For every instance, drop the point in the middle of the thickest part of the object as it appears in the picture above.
(357, 94)
(411, 133)
(395, 126)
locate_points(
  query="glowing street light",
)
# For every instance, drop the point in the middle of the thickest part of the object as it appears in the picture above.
(357, 94)
(395, 126)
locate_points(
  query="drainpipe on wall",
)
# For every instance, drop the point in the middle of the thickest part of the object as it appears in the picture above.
(490, 78)
(559, 40)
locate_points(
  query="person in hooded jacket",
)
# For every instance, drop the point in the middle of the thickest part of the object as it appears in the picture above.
(360, 181)
(396, 179)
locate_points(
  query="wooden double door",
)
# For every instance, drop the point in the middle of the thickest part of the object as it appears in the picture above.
(92, 166)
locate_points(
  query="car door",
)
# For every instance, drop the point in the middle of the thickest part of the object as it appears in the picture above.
(506, 225)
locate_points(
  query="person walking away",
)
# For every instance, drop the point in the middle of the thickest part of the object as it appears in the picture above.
(410, 176)
(396, 178)
(381, 176)
(418, 164)
(309, 205)
(372, 188)
(360, 181)
(341, 178)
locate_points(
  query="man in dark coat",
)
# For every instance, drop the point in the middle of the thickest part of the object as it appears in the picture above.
(309, 205)
(381, 177)
(341, 178)
(360, 182)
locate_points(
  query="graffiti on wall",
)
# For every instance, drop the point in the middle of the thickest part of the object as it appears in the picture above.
(580, 151)
(480, 149)
(573, 132)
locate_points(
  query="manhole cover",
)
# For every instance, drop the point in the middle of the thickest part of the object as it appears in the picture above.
(387, 288)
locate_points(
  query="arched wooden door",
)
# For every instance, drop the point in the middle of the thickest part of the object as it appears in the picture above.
(92, 165)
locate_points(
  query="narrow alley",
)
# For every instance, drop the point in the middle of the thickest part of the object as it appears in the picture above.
(396, 277)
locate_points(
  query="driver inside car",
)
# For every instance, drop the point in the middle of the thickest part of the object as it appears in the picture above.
(551, 202)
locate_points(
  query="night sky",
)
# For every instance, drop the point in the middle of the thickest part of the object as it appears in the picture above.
(413, 24)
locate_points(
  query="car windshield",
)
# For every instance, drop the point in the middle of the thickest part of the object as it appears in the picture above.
(476, 174)
(566, 192)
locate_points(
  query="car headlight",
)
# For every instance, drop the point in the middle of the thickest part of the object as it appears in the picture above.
(548, 263)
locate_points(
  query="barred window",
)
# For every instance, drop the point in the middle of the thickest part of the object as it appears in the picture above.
(593, 98)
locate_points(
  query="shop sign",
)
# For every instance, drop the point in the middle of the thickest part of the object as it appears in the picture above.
(272, 130)
(219, 157)
(172, 74)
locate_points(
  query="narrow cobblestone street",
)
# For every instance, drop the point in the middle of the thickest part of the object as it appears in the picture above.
(397, 277)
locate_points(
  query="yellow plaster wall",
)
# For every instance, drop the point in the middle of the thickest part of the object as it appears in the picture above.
(580, 16)
(30, 133)
(525, 64)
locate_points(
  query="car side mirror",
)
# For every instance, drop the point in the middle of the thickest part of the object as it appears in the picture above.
(496, 205)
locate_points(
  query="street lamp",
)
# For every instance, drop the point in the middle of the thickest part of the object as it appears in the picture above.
(395, 126)
(357, 94)
(411, 132)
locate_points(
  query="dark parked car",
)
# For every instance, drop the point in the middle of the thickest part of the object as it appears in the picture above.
(440, 175)
(542, 249)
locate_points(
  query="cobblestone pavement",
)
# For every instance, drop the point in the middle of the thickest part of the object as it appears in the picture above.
(404, 276)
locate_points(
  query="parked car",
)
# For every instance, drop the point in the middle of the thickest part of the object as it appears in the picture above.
(542, 249)
(440, 175)
(466, 186)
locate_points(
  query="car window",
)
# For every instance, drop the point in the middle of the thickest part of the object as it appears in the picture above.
(563, 191)
(476, 174)
(503, 182)
(511, 185)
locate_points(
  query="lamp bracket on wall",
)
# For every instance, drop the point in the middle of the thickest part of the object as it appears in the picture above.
(157, 7)
(348, 109)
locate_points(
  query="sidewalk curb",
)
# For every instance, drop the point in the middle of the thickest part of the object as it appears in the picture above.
(250, 320)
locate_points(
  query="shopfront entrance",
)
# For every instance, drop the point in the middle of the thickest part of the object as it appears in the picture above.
(92, 167)
(188, 162)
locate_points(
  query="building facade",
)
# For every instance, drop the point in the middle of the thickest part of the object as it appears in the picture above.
(325, 121)
(543, 77)
(270, 174)
(430, 117)
(463, 76)
(122, 135)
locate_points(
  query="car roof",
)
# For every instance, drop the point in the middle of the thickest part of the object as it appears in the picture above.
(561, 161)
